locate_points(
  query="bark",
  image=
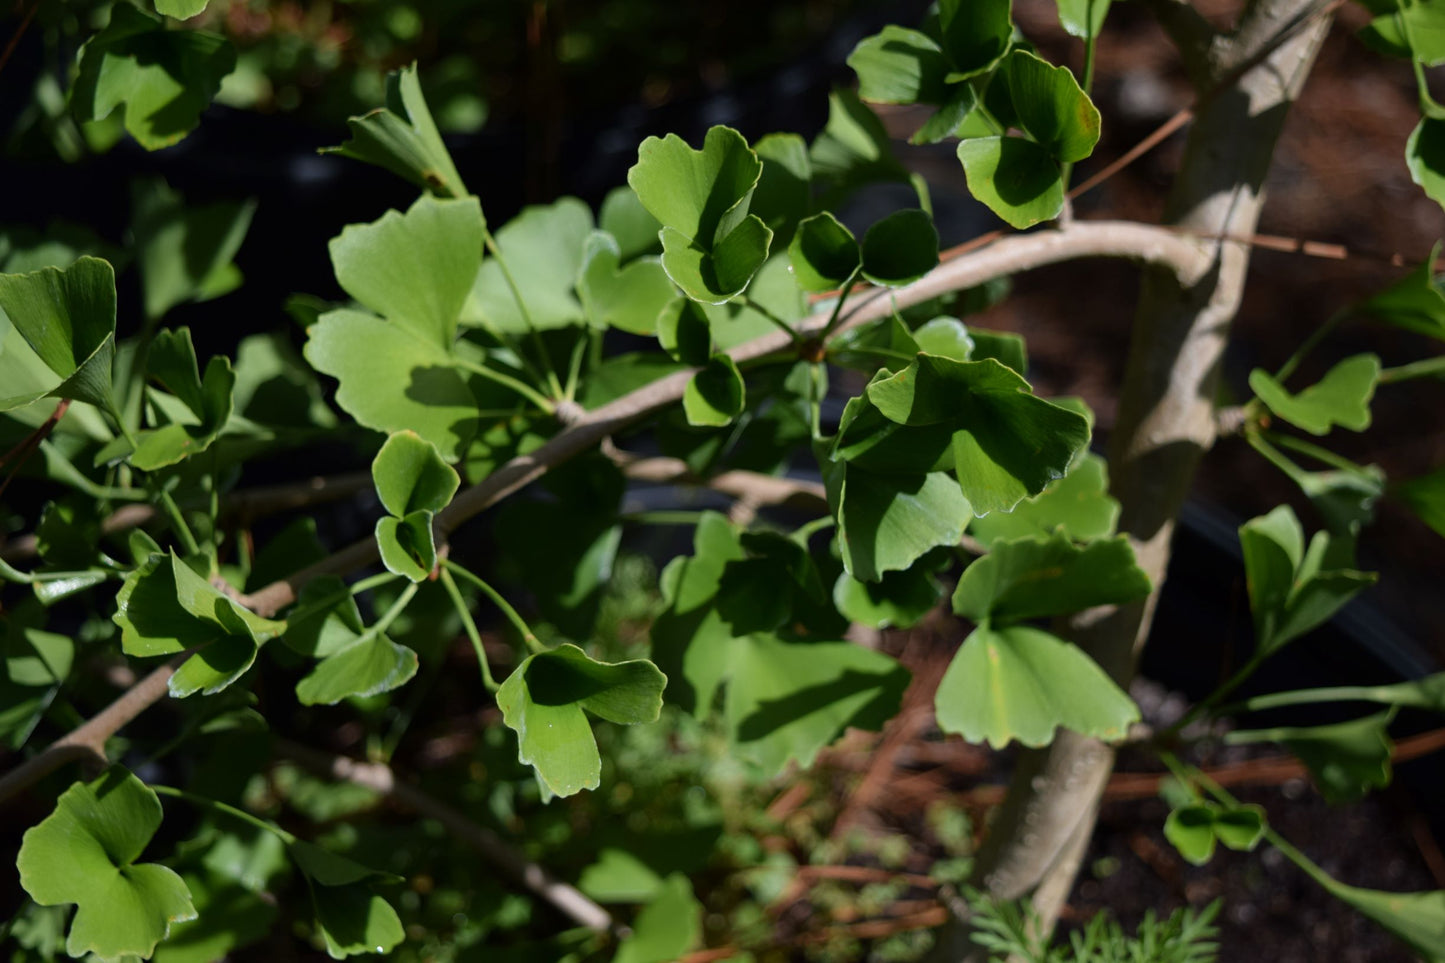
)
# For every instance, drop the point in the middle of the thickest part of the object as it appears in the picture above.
(1166, 423)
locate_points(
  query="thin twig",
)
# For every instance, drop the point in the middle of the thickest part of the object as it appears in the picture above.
(565, 898)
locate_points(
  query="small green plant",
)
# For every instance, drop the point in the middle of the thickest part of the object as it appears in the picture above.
(469, 361)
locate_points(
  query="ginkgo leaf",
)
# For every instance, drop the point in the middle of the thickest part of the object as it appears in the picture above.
(1195, 828)
(164, 78)
(1015, 178)
(1415, 302)
(1079, 505)
(172, 360)
(407, 545)
(897, 600)
(543, 702)
(667, 928)
(716, 394)
(887, 522)
(183, 250)
(1052, 106)
(1044, 576)
(67, 317)
(1341, 397)
(823, 253)
(900, 248)
(900, 66)
(544, 248)
(369, 665)
(1022, 683)
(1346, 759)
(629, 298)
(1292, 590)
(415, 269)
(85, 853)
(403, 138)
(411, 476)
(351, 917)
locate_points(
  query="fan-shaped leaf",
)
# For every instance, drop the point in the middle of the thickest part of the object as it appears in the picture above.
(1036, 577)
(900, 248)
(1052, 107)
(823, 254)
(543, 247)
(1015, 178)
(85, 853)
(1341, 397)
(900, 66)
(1021, 683)
(67, 317)
(716, 394)
(411, 476)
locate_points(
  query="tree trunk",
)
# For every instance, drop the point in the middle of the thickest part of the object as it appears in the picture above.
(1166, 422)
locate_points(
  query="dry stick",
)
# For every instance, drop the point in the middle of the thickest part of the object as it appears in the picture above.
(379, 778)
(1184, 257)
(26, 447)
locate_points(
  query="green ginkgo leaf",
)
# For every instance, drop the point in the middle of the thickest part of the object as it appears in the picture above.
(887, 522)
(897, 600)
(784, 195)
(628, 222)
(684, 332)
(67, 317)
(1195, 828)
(1426, 497)
(391, 380)
(788, 700)
(1083, 18)
(1021, 683)
(900, 248)
(543, 702)
(852, 150)
(1015, 178)
(667, 927)
(1416, 918)
(716, 394)
(1415, 302)
(1292, 590)
(407, 545)
(414, 269)
(543, 247)
(367, 666)
(711, 245)
(85, 853)
(172, 361)
(628, 298)
(411, 476)
(1414, 30)
(975, 33)
(1341, 397)
(403, 138)
(1004, 443)
(1037, 577)
(1052, 107)
(184, 251)
(1425, 157)
(181, 9)
(351, 917)
(900, 66)
(823, 253)
(165, 78)
(1347, 759)
(1079, 505)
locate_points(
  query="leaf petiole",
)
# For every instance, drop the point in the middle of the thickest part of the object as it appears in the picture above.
(218, 806)
(534, 644)
(470, 626)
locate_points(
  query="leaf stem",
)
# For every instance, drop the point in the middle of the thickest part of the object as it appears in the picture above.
(1310, 449)
(1214, 698)
(397, 607)
(534, 644)
(551, 371)
(806, 530)
(837, 314)
(1424, 368)
(215, 804)
(507, 381)
(470, 626)
(778, 322)
(1311, 342)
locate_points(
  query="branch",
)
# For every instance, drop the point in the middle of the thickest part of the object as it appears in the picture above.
(754, 488)
(1182, 256)
(379, 778)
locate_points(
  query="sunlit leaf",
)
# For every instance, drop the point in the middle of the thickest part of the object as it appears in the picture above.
(543, 248)
(897, 600)
(1052, 106)
(1021, 683)
(411, 476)
(371, 664)
(1194, 829)
(1078, 504)
(716, 394)
(887, 522)
(414, 269)
(1425, 156)
(628, 298)
(85, 853)
(900, 66)
(1083, 18)
(172, 361)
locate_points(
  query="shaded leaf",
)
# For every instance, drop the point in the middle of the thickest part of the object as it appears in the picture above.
(1415, 302)
(351, 917)
(85, 853)
(1425, 156)
(183, 249)
(897, 600)
(164, 78)
(403, 138)
(543, 702)
(1290, 590)
(172, 360)
(976, 33)
(900, 248)
(631, 226)
(1346, 759)
(900, 66)
(823, 253)
(1416, 918)
(1016, 179)
(668, 926)
(716, 394)
(853, 149)
(1341, 397)
(719, 274)
(1426, 496)
(784, 195)
(1079, 505)
(67, 317)
(1022, 683)
(407, 545)
(1036, 577)
(887, 522)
